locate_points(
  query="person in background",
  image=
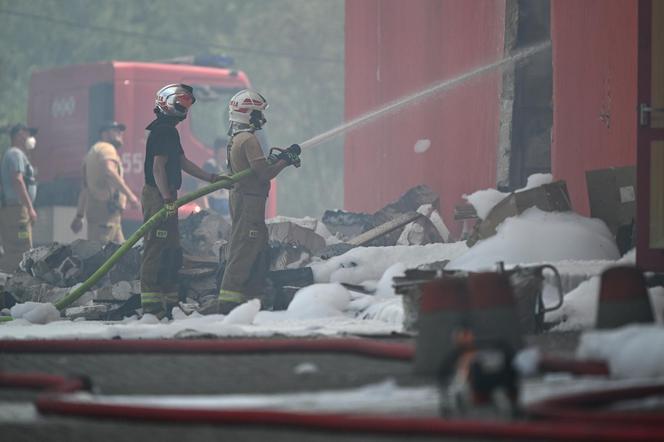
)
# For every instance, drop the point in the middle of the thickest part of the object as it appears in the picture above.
(217, 201)
(164, 162)
(17, 194)
(104, 192)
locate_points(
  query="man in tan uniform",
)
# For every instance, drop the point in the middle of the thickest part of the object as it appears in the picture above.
(248, 261)
(104, 193)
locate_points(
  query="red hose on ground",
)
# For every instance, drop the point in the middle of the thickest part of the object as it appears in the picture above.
(362, 347)
(39, 381)
(31, 380)
(55, 402)
(583, 407)
(548, 364)
(357, 423)
(575, 424)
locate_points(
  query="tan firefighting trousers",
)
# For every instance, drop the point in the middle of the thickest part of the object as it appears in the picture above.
(162, 258)
(103, 225)
(248, 259)
(16, 233)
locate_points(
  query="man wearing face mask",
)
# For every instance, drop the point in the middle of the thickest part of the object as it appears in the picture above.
(19, 188)
(104, 193)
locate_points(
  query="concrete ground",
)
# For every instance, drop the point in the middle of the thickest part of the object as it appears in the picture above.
(203, 374)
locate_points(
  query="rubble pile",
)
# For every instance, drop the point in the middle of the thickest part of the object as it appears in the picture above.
(346, 225)
(47, 273)
(411, 220)
(204, 233)
(297, 242)
(199, 279)
(63, 265)
(548, 197)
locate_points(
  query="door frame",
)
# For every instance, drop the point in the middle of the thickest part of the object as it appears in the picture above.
(646, 257)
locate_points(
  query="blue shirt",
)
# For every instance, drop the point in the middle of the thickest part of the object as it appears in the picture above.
(218, 201)
(15, 161)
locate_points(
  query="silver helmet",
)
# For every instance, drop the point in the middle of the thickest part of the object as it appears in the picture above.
(174, 100)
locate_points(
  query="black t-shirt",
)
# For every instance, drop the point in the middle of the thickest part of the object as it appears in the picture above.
(164, 140)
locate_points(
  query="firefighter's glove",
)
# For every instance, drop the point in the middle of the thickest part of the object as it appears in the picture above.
(171, 209)
(225, 178)
(291, 155)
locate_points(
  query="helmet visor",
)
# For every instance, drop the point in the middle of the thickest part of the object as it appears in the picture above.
(183, 102)
(186, 100)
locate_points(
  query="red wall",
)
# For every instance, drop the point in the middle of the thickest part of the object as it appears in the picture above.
(394, 48)
(594, 60)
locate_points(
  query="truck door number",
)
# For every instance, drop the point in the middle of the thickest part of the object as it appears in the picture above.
(132, 162)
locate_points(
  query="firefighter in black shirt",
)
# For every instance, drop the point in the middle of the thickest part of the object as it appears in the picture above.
(164, 162)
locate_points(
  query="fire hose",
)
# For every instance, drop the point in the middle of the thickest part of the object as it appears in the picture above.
(570, 417)
(226, 182)
(290, 155)
(78, 291)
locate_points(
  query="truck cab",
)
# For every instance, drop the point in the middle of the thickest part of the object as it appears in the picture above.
(68, 104)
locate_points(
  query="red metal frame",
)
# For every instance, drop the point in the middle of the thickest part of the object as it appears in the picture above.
(646, 257)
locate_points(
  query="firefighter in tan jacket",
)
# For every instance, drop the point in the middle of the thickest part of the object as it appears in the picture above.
(247, 258)
(104, 193)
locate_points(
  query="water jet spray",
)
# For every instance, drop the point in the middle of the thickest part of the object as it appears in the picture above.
(423, 94)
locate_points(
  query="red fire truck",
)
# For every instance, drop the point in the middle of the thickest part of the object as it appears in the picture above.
(68, 104)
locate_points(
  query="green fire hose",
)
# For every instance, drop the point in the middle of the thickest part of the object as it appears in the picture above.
(225, 183)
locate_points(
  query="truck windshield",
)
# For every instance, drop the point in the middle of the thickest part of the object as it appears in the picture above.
(209, 116)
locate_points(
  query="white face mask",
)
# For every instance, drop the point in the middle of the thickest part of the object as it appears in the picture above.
(30, 143)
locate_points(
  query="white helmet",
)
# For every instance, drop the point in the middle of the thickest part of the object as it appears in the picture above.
(246, 107)
(174, 100)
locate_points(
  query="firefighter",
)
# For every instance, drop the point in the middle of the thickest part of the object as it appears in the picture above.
(104, 193)
(17, 192)
(247, 261)
(164, 162)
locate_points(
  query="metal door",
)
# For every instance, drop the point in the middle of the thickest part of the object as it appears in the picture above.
(650, 136)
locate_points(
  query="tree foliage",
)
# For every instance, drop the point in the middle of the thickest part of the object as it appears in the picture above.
(292, 51)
